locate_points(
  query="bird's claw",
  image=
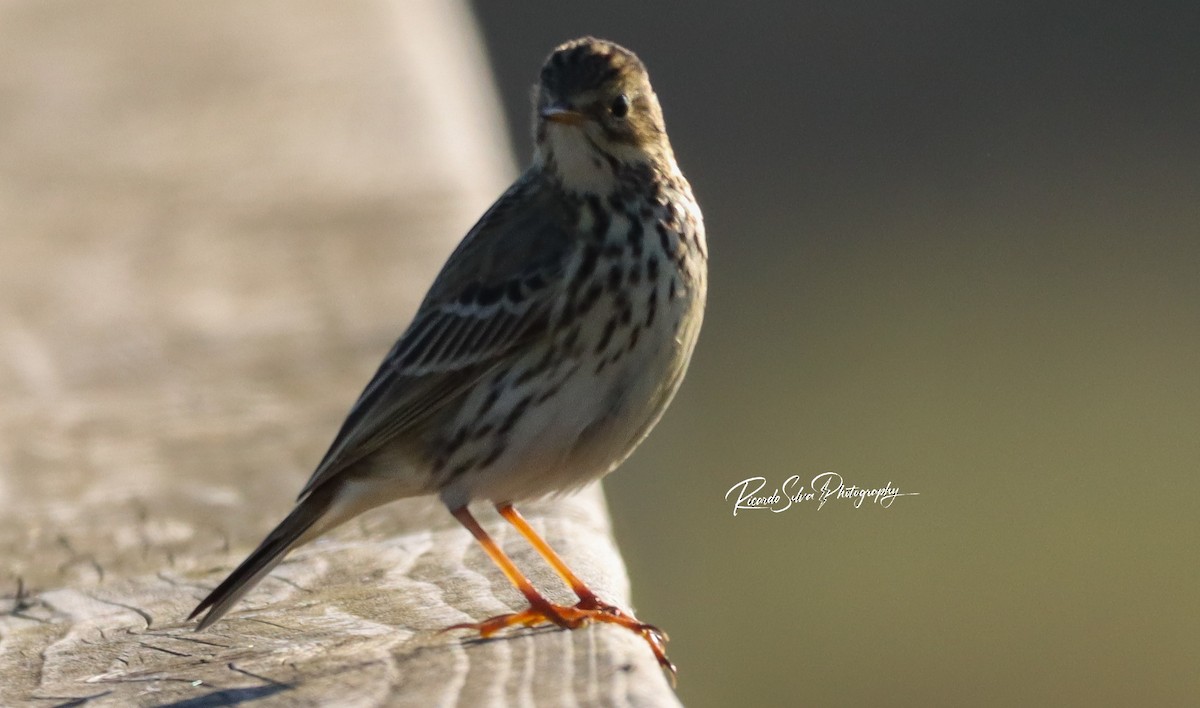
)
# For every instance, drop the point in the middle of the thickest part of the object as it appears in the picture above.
(573, 617)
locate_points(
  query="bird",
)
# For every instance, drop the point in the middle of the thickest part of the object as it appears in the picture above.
(546, 349)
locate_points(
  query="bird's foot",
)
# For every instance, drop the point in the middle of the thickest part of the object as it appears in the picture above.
(574, 616)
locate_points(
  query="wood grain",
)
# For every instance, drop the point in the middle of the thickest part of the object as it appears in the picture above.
(214, 219)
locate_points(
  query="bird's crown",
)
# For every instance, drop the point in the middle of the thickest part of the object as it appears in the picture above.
(588, 64)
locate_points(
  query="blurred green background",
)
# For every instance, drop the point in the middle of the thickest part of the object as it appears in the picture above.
(954, 246)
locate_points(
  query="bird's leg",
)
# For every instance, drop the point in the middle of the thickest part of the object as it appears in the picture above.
(540, 609)
(589, 607)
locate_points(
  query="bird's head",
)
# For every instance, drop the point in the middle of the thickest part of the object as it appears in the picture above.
(595, 115)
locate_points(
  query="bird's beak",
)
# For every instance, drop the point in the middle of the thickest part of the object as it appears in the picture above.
(563, 115)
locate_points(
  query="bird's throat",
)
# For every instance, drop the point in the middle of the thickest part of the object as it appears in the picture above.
(577, 162)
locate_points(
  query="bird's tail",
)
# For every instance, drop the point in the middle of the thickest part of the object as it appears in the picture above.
(313, 516)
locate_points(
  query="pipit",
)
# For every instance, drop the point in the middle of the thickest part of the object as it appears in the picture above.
(546, 349)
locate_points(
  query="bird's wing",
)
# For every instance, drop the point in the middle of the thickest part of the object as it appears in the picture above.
(497, 291)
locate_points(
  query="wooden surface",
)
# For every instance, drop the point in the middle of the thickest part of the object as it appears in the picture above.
(214, 219)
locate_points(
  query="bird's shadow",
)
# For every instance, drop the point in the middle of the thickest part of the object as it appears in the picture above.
(229, 697)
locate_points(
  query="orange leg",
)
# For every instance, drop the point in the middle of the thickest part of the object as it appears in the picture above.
(587, 599)
(541, 610)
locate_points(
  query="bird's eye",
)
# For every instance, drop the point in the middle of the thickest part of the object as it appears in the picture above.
(620, 106)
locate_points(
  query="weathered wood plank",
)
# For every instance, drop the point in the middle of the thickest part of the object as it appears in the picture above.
(214, 218)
